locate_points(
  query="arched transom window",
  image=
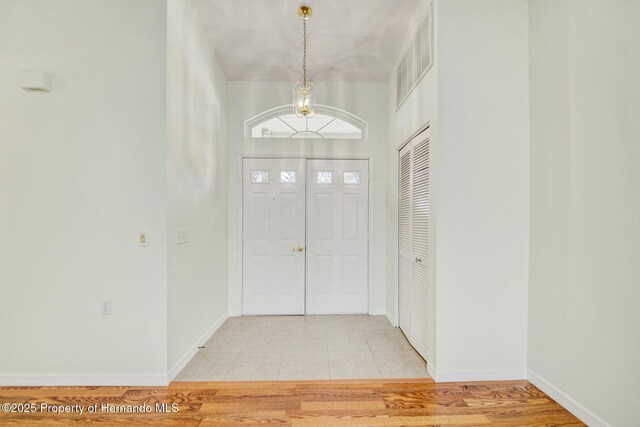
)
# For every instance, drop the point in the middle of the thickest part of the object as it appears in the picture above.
(327, 123)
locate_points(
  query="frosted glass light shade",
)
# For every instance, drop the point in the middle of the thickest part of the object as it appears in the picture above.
(304, 100)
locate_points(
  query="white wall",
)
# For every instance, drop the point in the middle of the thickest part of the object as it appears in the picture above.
(197, 183)
(475, 99)
(82, 171)
(584, 299)
(247, 99)
(419, 109)
(481, 185)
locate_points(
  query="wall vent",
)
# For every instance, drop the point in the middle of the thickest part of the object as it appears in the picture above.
(416, 60)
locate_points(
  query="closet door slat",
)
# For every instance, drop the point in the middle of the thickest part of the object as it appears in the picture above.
(422, 295)
(405, 242)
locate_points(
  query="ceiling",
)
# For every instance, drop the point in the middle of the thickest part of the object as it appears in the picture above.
(348, 40)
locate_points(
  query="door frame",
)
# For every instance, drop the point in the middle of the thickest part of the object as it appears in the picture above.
(396, 216)
(371, 236)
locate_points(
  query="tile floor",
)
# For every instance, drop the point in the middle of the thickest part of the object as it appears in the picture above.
(261, 348)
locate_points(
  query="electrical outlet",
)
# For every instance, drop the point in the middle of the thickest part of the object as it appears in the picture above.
(182, 236)
(143, 240)
(106, 307)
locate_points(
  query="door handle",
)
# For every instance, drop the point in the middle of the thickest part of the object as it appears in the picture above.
(298, 249)
(418, 259)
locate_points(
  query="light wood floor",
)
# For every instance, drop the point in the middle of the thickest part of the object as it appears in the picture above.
(304, 404)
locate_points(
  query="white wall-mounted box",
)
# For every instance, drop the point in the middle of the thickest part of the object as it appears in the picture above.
(35, 81)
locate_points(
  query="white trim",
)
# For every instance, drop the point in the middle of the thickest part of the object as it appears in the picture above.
(370, 234)
(467, 375)
(405, 51)
(432, 370)
(12, 380)
(186, 358)
(566, 401)
(395, 217)
(235, 307)
(392, 319)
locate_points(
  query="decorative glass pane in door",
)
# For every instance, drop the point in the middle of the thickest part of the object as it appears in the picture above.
(352, 177)
(324, 177)
(288, 177)
(259, 176)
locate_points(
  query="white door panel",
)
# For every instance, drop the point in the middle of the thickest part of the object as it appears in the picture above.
(273, 230)
(405, 241)
(337, 236)
(422, 294)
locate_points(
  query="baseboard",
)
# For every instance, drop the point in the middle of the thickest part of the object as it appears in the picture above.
(186, 358)
(467, 375)
(377, 312)
(431, 369)
(566, 401)
(391, 318)
(53, 380)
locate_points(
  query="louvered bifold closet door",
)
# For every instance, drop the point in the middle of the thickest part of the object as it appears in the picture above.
(404, 241)
(422, 294)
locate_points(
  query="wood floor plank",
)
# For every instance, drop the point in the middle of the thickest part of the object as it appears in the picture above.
(487, 402)
(62, 391)
(302, 404)
(435, 420)
(353, 405)
(221, 408)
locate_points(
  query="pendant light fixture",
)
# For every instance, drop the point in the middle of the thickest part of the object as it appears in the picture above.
(304, 93)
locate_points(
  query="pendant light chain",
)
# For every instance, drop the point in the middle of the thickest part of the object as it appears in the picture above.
(304, 57)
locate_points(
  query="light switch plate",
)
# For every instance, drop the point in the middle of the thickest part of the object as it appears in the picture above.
(143, 239)
(182, 236)
(35, 81)
(106, 307)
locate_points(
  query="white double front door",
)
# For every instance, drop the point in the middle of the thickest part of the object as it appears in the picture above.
(305, 236)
